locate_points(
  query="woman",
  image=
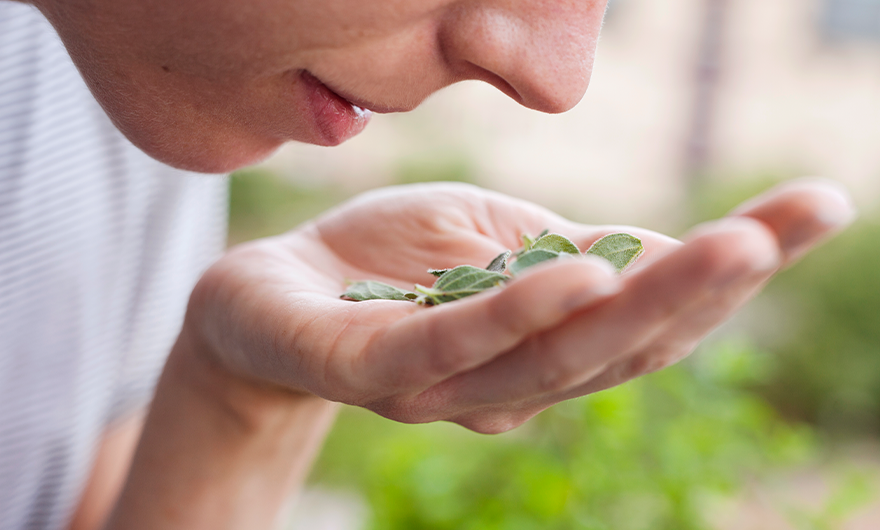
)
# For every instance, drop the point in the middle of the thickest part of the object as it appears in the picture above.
(266, 346)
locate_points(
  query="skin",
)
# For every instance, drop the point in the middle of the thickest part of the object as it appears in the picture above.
(213, 85)
(491, 361)
(267, 347)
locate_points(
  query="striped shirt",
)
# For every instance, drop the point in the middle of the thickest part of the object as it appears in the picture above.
(99, 249)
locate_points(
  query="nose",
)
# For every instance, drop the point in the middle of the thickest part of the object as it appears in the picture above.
(539, 52)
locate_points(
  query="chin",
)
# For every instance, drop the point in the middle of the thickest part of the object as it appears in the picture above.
(216, 161)
(215, 152)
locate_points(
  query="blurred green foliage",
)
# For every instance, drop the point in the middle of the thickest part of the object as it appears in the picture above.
(831, 359)
(645, 455)
(449, 168)
(853, 491)
(263, 204)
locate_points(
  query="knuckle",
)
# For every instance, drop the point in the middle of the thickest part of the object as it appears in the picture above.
(638, 366)
(490, 423)
(744, 244)
(657, 359)
(557, 378)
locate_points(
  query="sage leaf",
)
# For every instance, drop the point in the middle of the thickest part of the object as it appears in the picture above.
(499, 264)
(468, 277)
(462, 281)
(373, 290)
(622, 250)
(530, 258)
(556, 243)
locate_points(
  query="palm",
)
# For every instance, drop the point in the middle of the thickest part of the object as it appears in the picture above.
(517, 350)
(399, 233)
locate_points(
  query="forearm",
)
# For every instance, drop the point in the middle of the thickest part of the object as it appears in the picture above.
(218, 452)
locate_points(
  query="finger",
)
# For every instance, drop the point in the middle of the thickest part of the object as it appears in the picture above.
(678, 341)
(436, 343)
(720, 256)
(801, 213)
(673, 344)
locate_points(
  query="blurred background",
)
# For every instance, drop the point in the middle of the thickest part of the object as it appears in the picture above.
(694, 105)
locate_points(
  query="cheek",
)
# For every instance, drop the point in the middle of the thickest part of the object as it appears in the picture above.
(202, 125)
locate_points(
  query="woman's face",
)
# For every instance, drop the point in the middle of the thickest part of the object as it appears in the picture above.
(212, 85)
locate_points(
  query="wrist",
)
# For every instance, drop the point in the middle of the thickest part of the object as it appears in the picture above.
(244, 401)
(218, 451)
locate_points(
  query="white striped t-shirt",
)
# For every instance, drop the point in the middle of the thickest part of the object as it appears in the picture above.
(99, 248)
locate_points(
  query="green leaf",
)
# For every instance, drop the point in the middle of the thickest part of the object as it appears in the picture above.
(622, 250)
(462, 281)
(466, 277)
(556, 243)
(530, 258)
(373, 290)
(438, 272)
(499, 264)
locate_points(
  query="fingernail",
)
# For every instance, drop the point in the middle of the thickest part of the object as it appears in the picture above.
(840, 210)
(768, 261)
(834, 212)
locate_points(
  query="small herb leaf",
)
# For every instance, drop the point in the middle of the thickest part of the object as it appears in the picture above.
(462, 281)
(530, 258)
(622, 250)
(468, 277)
(499, 264)
(373, 290)
(556, 243)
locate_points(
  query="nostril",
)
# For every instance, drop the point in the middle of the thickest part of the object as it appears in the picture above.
(479, 73)
(538, 53)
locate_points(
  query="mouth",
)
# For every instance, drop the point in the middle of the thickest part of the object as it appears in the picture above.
(336, 118)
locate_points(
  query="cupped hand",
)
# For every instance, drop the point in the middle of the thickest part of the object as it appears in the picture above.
(270, 310)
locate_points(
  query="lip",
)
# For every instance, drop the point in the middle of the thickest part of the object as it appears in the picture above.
(373, 107)
(336, 118)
